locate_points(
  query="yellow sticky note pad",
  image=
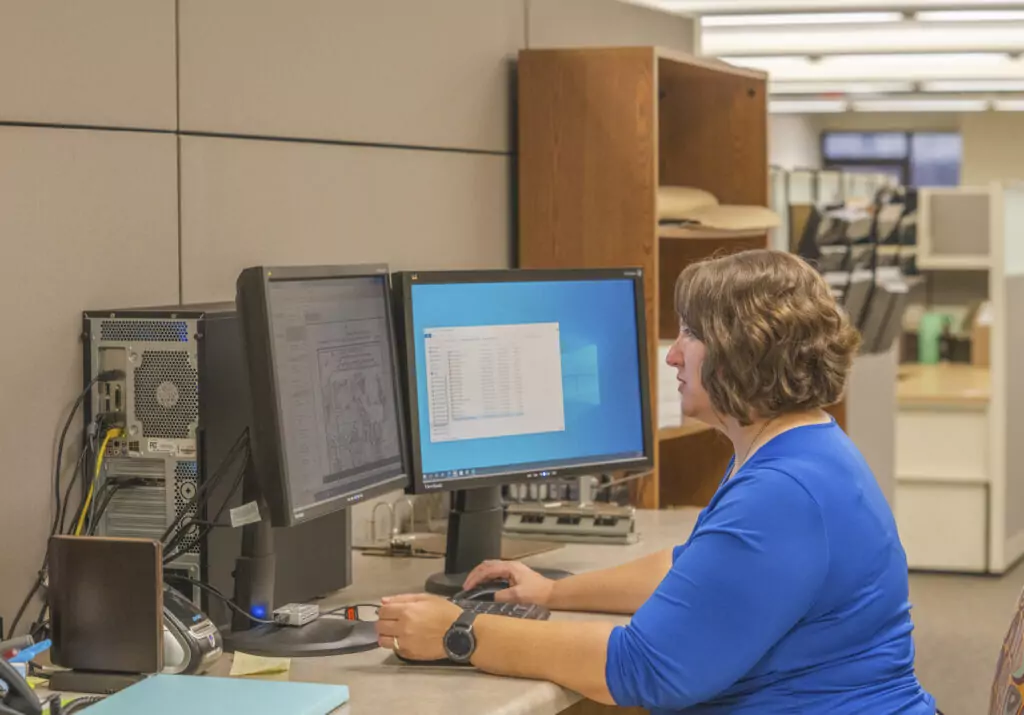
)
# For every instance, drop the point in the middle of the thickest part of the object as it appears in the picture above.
(245, 665)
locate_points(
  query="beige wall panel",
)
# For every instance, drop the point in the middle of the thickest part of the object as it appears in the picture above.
(993, 150)
(382, 71)
(1014, 347)
(87, 220)
(100, 62)
(592, 23)
(871, 415)
(247, 202)
(793, 141)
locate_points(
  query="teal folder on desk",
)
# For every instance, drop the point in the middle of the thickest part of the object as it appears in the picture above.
(201, 695)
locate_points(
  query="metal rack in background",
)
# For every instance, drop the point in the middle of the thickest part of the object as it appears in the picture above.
(587, 509)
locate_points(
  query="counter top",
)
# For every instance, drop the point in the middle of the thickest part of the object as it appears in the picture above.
(943, 385)
(380, 683)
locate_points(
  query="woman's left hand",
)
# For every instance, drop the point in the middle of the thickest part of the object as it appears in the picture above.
(418, 622)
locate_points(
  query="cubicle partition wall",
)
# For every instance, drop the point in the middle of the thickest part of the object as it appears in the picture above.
(778, 201)
(830, 187)
(960, 429)
(954, 227)
(1007, 353)
(800, 191)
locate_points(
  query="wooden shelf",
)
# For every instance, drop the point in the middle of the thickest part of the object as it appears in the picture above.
(670, 232)
(600, 129)
(691, 427)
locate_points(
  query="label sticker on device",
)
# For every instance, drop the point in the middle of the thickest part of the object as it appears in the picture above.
(162, 446)
(245, 514)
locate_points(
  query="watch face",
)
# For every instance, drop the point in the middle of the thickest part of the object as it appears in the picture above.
(459, 643)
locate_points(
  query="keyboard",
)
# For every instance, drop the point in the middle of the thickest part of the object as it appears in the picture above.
(513, 610)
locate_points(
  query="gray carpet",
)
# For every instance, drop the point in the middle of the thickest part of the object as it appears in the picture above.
(960, 622)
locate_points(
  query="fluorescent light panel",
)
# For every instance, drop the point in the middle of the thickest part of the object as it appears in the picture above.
(799, 18)
(1008, 105)
(840, 87)
(880, 38)
(809, 106)
(920, 105)
(966, 66)
(981, 85)
(720, 7)
(970, 16)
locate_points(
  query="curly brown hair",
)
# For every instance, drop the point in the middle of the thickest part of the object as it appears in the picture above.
(775, 340)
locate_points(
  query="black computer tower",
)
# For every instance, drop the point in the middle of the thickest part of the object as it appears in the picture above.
(185, 401)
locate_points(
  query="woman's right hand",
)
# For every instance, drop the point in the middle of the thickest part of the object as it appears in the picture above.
(525, 584)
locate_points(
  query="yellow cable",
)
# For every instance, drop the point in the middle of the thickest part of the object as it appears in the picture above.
(111, 434)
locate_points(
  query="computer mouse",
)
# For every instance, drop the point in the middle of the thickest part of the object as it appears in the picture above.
(482, 592)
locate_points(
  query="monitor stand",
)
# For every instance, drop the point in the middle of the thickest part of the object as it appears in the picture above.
(475, 525)
(254, 588)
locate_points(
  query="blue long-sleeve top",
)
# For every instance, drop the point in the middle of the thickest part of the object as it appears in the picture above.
(790, 596)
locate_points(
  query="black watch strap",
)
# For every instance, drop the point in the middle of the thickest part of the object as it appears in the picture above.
(466, 619)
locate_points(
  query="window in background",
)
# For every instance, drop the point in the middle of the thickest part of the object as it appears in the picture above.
(935, 159)
(860, 146)
(914, 158)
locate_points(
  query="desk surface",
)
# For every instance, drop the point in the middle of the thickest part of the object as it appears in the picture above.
(379, 683)
(949, 385)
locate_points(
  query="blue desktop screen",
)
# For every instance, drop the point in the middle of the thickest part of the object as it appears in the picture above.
(526, 376)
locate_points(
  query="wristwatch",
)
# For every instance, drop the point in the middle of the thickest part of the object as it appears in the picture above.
(460, 641)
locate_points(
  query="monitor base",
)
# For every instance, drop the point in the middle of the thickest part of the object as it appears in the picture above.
(475, 525)
(327, 635)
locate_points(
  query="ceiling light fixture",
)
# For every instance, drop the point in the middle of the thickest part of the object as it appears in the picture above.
(969, 16)
(861, 39)
(1008, 105)
(981, 85)
(921, 105)
(799, 18)
(807, 106)
(722, 7)
(839, 87)
(964, 66)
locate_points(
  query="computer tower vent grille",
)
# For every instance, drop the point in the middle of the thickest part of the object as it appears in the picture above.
(149, 331)
(166, 394)
(122, 467)
(186, 481)
(138, 512)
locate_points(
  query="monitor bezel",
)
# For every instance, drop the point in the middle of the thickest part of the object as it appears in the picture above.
(267, 435)
(403, 283)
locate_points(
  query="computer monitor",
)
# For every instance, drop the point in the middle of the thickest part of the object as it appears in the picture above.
(326, 429)
(519, 375)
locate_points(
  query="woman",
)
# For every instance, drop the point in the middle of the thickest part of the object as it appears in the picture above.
(791, 593)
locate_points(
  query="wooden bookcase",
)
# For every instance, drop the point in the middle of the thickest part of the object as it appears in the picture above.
(599, 130)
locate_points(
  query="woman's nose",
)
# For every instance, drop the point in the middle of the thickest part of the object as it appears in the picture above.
(675, 355)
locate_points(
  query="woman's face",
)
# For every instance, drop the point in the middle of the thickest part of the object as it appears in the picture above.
(687, 355)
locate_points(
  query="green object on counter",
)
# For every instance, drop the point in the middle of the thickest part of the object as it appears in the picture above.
(929, 333)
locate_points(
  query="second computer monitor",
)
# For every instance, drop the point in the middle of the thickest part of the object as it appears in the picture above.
(521, 375)
(327, 426)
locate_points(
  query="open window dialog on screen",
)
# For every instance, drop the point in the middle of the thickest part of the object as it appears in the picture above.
(494, 381)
